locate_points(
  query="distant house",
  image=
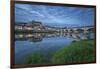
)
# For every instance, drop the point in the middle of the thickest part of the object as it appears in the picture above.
(19, 25)
(34, 25)
(50, 28)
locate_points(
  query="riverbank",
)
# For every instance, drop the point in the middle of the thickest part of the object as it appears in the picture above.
(38, 31)
(77, 52)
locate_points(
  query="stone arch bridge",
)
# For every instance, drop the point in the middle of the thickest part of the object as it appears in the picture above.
(84, 29)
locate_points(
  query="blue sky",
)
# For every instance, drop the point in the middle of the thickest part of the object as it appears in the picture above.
(59, 16)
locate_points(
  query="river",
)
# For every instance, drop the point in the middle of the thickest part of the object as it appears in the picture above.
(26, 44)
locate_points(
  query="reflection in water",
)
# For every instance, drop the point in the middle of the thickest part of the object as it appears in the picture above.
(37, 37)
(45, 43)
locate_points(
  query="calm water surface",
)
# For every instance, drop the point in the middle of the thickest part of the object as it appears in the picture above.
(26, 44)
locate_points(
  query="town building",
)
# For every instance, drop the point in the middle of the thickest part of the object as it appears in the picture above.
(29, 26)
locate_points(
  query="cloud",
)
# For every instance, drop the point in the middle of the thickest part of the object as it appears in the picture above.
(54, 15)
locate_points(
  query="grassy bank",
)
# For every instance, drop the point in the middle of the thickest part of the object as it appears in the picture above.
(77, 51)
(36, 58)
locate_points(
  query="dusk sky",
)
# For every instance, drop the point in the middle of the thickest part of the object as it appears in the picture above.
(54, 15)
